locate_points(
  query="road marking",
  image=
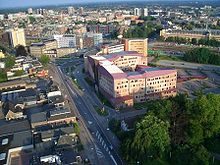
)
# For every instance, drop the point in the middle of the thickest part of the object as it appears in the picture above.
(113, 159)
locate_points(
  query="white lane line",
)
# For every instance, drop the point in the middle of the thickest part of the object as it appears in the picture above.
(113, 159)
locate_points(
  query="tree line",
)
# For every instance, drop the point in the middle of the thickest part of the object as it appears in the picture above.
(203, 56)
(142, 30)
(175, 131)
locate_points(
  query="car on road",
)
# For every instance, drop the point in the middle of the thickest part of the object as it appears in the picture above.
(90, 122)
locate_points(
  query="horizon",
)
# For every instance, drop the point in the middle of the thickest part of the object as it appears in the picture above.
(7, 4)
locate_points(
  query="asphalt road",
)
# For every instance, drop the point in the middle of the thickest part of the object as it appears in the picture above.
(89, 143)
(83, 108)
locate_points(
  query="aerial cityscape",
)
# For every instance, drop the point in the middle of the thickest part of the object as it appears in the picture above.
(110, 82)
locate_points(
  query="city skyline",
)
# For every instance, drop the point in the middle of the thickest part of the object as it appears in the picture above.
(27, 3)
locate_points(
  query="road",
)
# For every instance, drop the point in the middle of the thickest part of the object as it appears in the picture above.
(83, 108)
(89, 143)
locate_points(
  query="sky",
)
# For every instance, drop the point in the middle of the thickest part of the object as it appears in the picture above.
(32, 3)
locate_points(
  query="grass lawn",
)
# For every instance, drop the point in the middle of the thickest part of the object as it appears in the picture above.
(171, 58)
(100, 111)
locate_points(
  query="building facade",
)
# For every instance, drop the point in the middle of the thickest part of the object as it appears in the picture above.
(189, 34)
(139, 45)
(124, 78)
(14, 37)
(65, 41)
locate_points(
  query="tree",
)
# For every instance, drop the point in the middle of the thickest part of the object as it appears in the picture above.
(204, 118)
(151, 138)
(32, 19)
(3, 76)
(19, 72)
(202, 55)
(44, 59)
(9, 61)
(21, 51)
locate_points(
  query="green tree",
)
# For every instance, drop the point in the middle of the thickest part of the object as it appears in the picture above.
(151, 138)
(44, 59)
(204, 118)
(20, 51)
(19, 72)
(3, 76)
(9, 61)
(202, 55)
(32, 19)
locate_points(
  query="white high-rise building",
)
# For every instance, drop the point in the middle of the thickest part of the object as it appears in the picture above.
(145, 12)
(137, 11)
(16, 37)
(65, 41)
(30, 11)
(71, 10)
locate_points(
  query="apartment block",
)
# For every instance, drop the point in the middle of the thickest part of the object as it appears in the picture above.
(124, 79)
(139, 45)
(113, 48)
(65, 41)
(38, 49)
(14, 37)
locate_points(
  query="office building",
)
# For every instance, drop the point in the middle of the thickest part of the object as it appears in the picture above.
(113, 48)
(71, 10)
(81, 11)
(145, 12)
(65, 41)
(137, 11)
(30, 11)
(139, 45)
(38, 49)
(14, 37)
(124, 79)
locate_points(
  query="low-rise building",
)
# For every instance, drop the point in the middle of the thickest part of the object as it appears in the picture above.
(189, 34)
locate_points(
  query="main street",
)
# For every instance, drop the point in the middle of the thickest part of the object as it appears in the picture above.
(97, 134)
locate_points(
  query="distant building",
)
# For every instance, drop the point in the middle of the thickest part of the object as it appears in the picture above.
(65, 41)
(14, 37)
(197, 33)
(38, 49)
(81, 11)
(71, 10)
(145, 12)
(30, 11)
(137, 11)
(92, 39)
